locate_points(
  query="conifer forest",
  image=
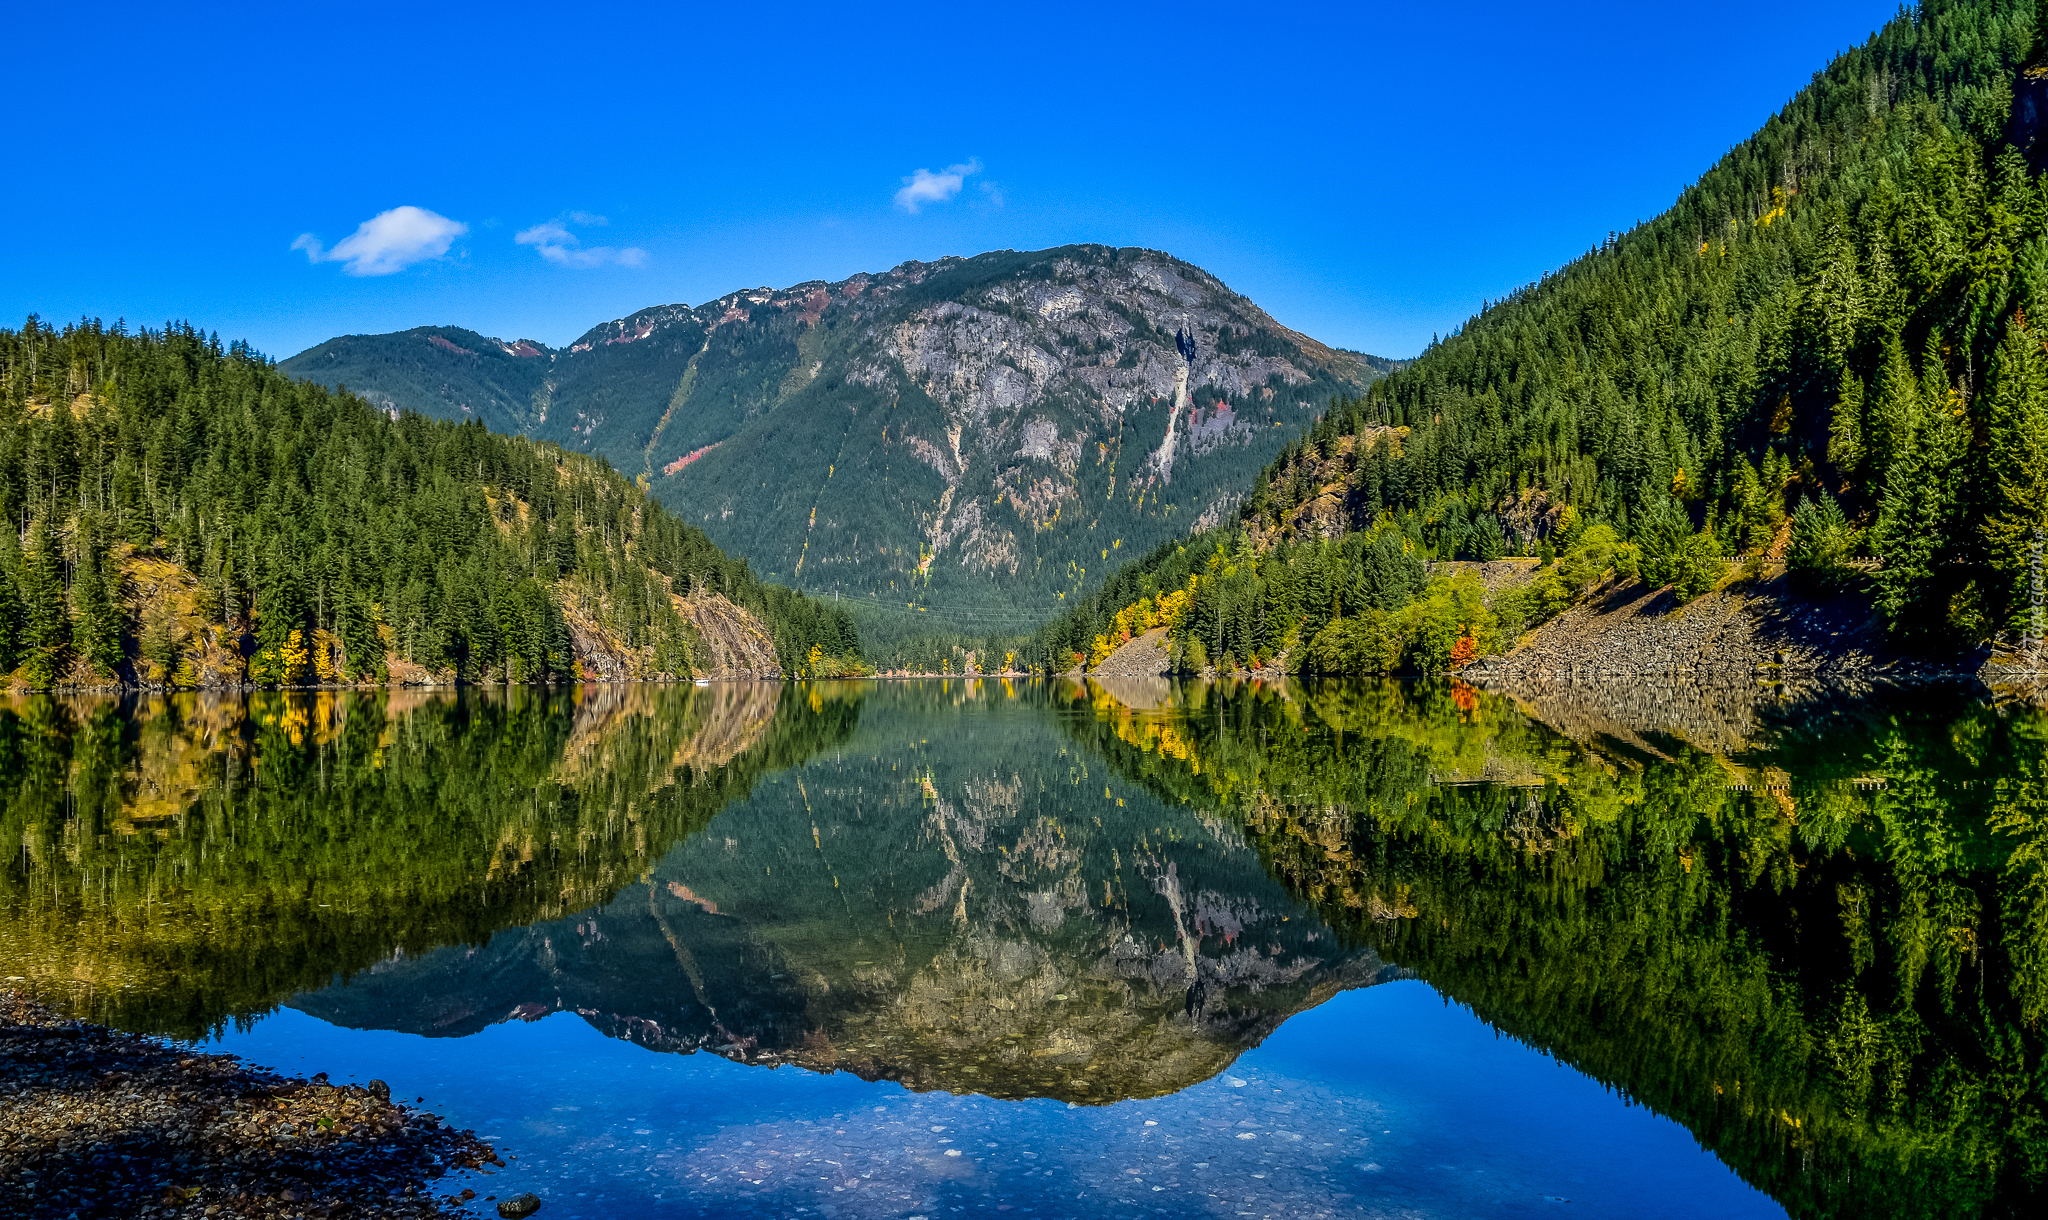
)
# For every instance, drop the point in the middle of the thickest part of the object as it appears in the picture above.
(287, 535)
(1832, 343)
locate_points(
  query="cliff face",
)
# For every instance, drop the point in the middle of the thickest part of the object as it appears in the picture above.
(964, 432)
(173, 639)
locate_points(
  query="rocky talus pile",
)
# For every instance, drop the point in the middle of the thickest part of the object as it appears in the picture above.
(1745, 630)
(94, 1122)
(1632, 664)
(1145, 656)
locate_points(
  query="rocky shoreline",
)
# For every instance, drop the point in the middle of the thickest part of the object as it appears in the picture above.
(95, 1122)
(1742, 633)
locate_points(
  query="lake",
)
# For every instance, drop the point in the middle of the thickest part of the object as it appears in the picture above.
(977, 947)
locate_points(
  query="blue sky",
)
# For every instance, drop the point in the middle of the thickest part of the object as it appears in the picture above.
(1367, 173)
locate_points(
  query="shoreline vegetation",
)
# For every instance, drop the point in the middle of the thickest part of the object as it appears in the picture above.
(94, 1121)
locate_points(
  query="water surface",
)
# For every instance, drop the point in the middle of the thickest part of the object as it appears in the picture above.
(919, 949)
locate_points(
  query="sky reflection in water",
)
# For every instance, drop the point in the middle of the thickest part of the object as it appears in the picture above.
(1384, 1101)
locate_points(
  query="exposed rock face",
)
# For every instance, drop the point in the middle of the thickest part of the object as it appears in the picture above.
(952, 431)
(737, 644)
(174, 627)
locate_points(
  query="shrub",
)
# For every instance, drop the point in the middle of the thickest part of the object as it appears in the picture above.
(1450, 609)
(1368, 643)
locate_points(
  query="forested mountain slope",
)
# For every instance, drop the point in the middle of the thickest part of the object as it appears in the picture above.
(1823, 347)
(976, 436)
(188, 516)
(443, 371)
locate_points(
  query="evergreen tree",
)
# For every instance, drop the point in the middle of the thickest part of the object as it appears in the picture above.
(1845, 427)
(2016, 423)
(12, 625)
(95, 591)
(356, 624)
(1894, 403)
(46, 624)
(1822, 542)
(1915, 520)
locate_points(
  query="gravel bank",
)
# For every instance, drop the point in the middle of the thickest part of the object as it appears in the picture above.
(94, 1122)
(1145, 656)
(1741, 632)
(1633, 665)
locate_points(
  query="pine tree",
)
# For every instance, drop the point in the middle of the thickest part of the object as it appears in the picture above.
(1845, 430)
(95, 591)
(1915, 521)
(13, 626)
(2016, 422)
(356, 624)
(47, 626)
(1894, 401)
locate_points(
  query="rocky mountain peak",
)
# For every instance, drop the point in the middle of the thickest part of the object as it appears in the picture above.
(966, 435)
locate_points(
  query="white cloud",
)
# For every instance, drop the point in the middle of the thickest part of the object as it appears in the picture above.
(924, 186)
(387, 242)
(558, 245)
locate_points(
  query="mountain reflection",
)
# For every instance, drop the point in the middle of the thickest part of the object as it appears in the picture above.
(1825, 950)
(1813, 930)
(956, 900)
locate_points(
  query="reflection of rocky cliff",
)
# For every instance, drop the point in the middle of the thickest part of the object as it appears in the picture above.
(170, 862)
(953, 902)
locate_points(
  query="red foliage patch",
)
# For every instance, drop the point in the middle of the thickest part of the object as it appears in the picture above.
(689, 457)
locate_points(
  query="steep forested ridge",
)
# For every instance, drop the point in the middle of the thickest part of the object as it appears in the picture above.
(966, 442)
(188, 516)
(1830, 344)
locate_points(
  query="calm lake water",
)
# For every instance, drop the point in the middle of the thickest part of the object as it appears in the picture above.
(975, 947)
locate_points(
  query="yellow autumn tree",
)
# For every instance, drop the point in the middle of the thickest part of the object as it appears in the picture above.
(280, 663)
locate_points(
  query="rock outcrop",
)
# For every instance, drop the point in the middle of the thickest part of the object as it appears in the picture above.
(736, 645)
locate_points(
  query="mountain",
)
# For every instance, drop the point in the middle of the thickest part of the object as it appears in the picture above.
(442, 371)
(975, 436)
(1825, 347)
(193, 517)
